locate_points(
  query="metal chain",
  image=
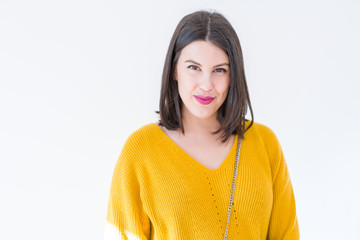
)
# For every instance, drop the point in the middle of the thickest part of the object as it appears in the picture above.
(233, 187)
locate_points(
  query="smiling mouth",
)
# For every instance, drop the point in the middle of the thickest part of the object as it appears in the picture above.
(204, 100)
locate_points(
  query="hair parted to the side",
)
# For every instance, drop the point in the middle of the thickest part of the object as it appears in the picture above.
(213, 27)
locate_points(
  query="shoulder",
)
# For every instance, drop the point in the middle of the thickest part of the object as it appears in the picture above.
(260, 130)
(143, 137)
(140, 142)
(143, 134)
(137, 147)
(263, 136)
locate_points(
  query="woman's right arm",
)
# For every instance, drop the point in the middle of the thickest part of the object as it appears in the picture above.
(126, 218)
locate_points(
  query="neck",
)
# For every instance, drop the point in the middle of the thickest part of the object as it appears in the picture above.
(200, 127)
(201, 130)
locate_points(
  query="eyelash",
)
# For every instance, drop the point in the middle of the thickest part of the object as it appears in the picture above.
(221, 70)
(193, 67)
(218, 70)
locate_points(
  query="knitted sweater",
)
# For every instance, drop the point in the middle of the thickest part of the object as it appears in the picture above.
(158, 191)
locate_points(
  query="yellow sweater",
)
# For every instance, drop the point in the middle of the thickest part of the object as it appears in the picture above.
(159, 192)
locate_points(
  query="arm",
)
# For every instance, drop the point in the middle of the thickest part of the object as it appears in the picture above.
(283, 221)
(126, 218)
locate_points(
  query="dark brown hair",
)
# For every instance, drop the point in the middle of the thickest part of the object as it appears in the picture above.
(213, 27)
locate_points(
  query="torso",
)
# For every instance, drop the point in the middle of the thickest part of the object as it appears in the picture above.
(210, 153)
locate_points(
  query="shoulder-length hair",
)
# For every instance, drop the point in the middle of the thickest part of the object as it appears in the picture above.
(213, 27)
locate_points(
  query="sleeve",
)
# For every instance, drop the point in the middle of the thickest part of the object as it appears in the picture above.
(126, 218)
(283, 220)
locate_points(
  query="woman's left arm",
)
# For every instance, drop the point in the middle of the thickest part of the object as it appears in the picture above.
(283, 221)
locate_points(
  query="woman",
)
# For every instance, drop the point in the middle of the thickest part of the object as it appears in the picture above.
(203, 171)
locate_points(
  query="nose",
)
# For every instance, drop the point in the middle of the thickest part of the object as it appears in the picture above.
(205, 83)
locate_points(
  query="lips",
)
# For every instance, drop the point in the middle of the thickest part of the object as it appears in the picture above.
(205, 100)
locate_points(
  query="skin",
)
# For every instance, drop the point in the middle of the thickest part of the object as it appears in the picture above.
(202, 70)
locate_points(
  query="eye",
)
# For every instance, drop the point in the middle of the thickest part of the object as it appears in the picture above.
(220, 70)
(193, 67)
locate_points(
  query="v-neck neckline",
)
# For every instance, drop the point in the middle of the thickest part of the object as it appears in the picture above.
(230, 157)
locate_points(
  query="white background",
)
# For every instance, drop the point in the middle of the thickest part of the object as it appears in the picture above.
(77, 77)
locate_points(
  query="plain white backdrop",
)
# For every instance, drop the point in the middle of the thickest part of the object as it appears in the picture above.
(77, 77)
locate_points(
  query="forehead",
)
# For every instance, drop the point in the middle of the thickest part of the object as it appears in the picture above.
(204, 52)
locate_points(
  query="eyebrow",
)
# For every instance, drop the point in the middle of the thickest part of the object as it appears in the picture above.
(218, 65)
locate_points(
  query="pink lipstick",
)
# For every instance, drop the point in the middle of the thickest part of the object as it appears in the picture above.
(204, 100)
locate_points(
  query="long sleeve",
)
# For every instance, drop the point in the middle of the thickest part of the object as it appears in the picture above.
(283, 221)
(126, 218)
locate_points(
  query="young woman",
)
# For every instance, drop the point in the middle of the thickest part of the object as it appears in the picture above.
(203, 171)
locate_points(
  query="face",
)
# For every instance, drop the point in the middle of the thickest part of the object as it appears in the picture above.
(203, 75)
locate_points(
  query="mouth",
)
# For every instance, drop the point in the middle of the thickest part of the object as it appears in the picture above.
(204, 100)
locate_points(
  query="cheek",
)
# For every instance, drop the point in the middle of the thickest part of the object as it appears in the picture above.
(186, 82)
(222, 86)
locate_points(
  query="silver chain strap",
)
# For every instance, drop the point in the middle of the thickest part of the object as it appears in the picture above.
(231, 203)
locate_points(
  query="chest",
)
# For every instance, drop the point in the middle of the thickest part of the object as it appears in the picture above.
(183, 195)
(208, 153)
(210, 156)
